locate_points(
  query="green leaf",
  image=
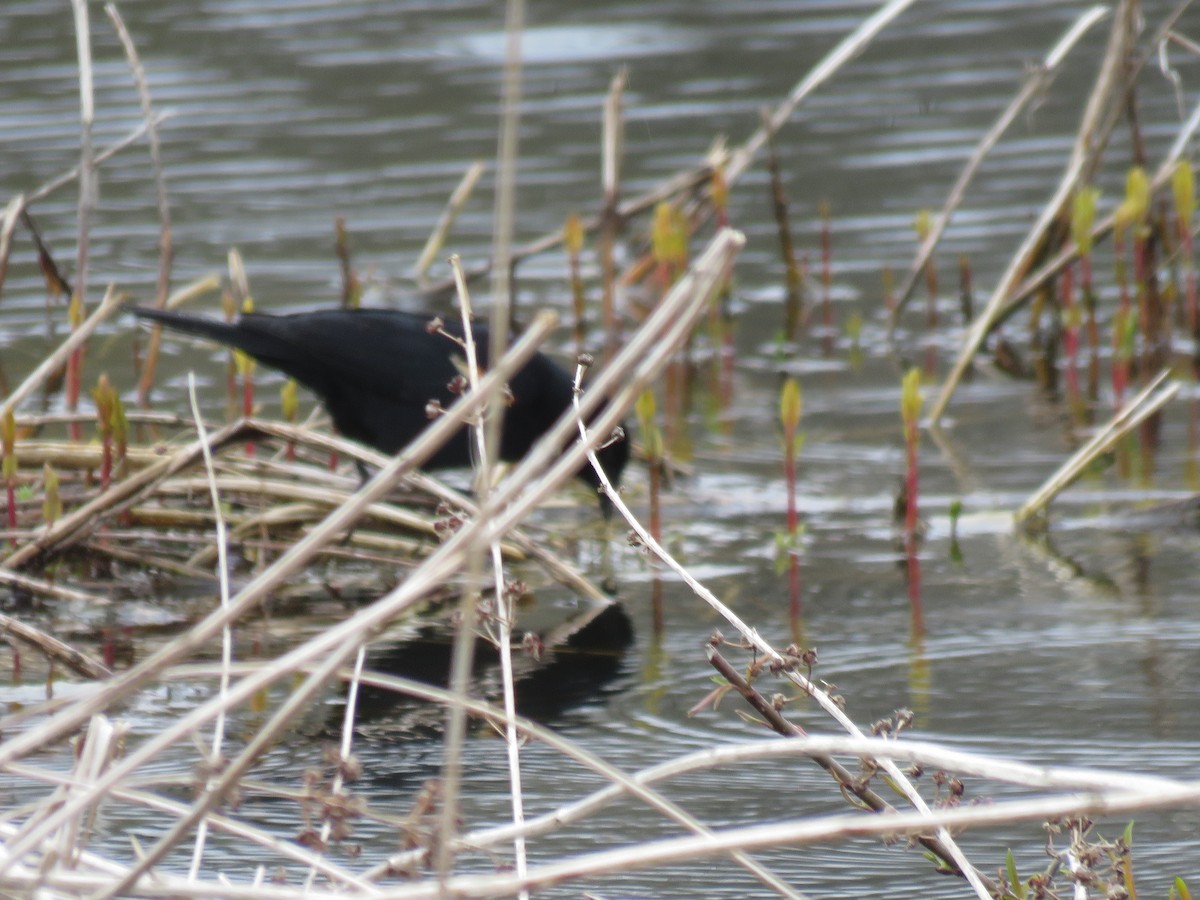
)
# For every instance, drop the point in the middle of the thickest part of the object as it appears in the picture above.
(910, 396)
(1010, 872)
(1083, 216)
(791, 404)
(1183, 186)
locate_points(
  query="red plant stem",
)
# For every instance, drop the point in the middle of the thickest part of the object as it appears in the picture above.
(910, 482)
(1193, 306)
(1120, 267)
(1140, 259)
(1071, 331)
(1120, 374)
(789, 475)
(1085, 286)
(1093, 328)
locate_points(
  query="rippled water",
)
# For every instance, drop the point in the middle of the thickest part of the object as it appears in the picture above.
(1081, 650)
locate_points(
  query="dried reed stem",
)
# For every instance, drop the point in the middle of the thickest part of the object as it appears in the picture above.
(464, 638)
(641, 360)
(339, 641)
(59, 651)
(847, 48)
(55, 360)
(12, 213)
(80, 523)
(739, 161)
(22, 582)
(750, 634)
(1132, 414)
(1035, 84)
(612, 152)
(846, 780)
(1066, 256)
(500, 318)
(343, 750)
(87, 116)
(103, 156)
(437, 238)
(166, 252)
(1109, 87)
(283, 848)
(214, 755)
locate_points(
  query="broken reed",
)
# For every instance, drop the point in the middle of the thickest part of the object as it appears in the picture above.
(351, 286)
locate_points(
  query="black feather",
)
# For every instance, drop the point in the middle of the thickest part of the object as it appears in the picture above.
(376, 371)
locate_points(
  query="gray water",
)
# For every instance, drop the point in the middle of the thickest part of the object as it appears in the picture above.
(1081, 650)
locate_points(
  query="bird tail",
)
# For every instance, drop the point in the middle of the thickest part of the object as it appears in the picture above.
(257, 344)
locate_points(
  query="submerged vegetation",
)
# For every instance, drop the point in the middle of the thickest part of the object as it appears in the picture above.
(162, 497)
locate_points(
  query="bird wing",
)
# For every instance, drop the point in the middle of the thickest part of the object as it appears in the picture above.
(382, 352)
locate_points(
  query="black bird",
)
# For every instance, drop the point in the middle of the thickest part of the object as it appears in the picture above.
(376, 370)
